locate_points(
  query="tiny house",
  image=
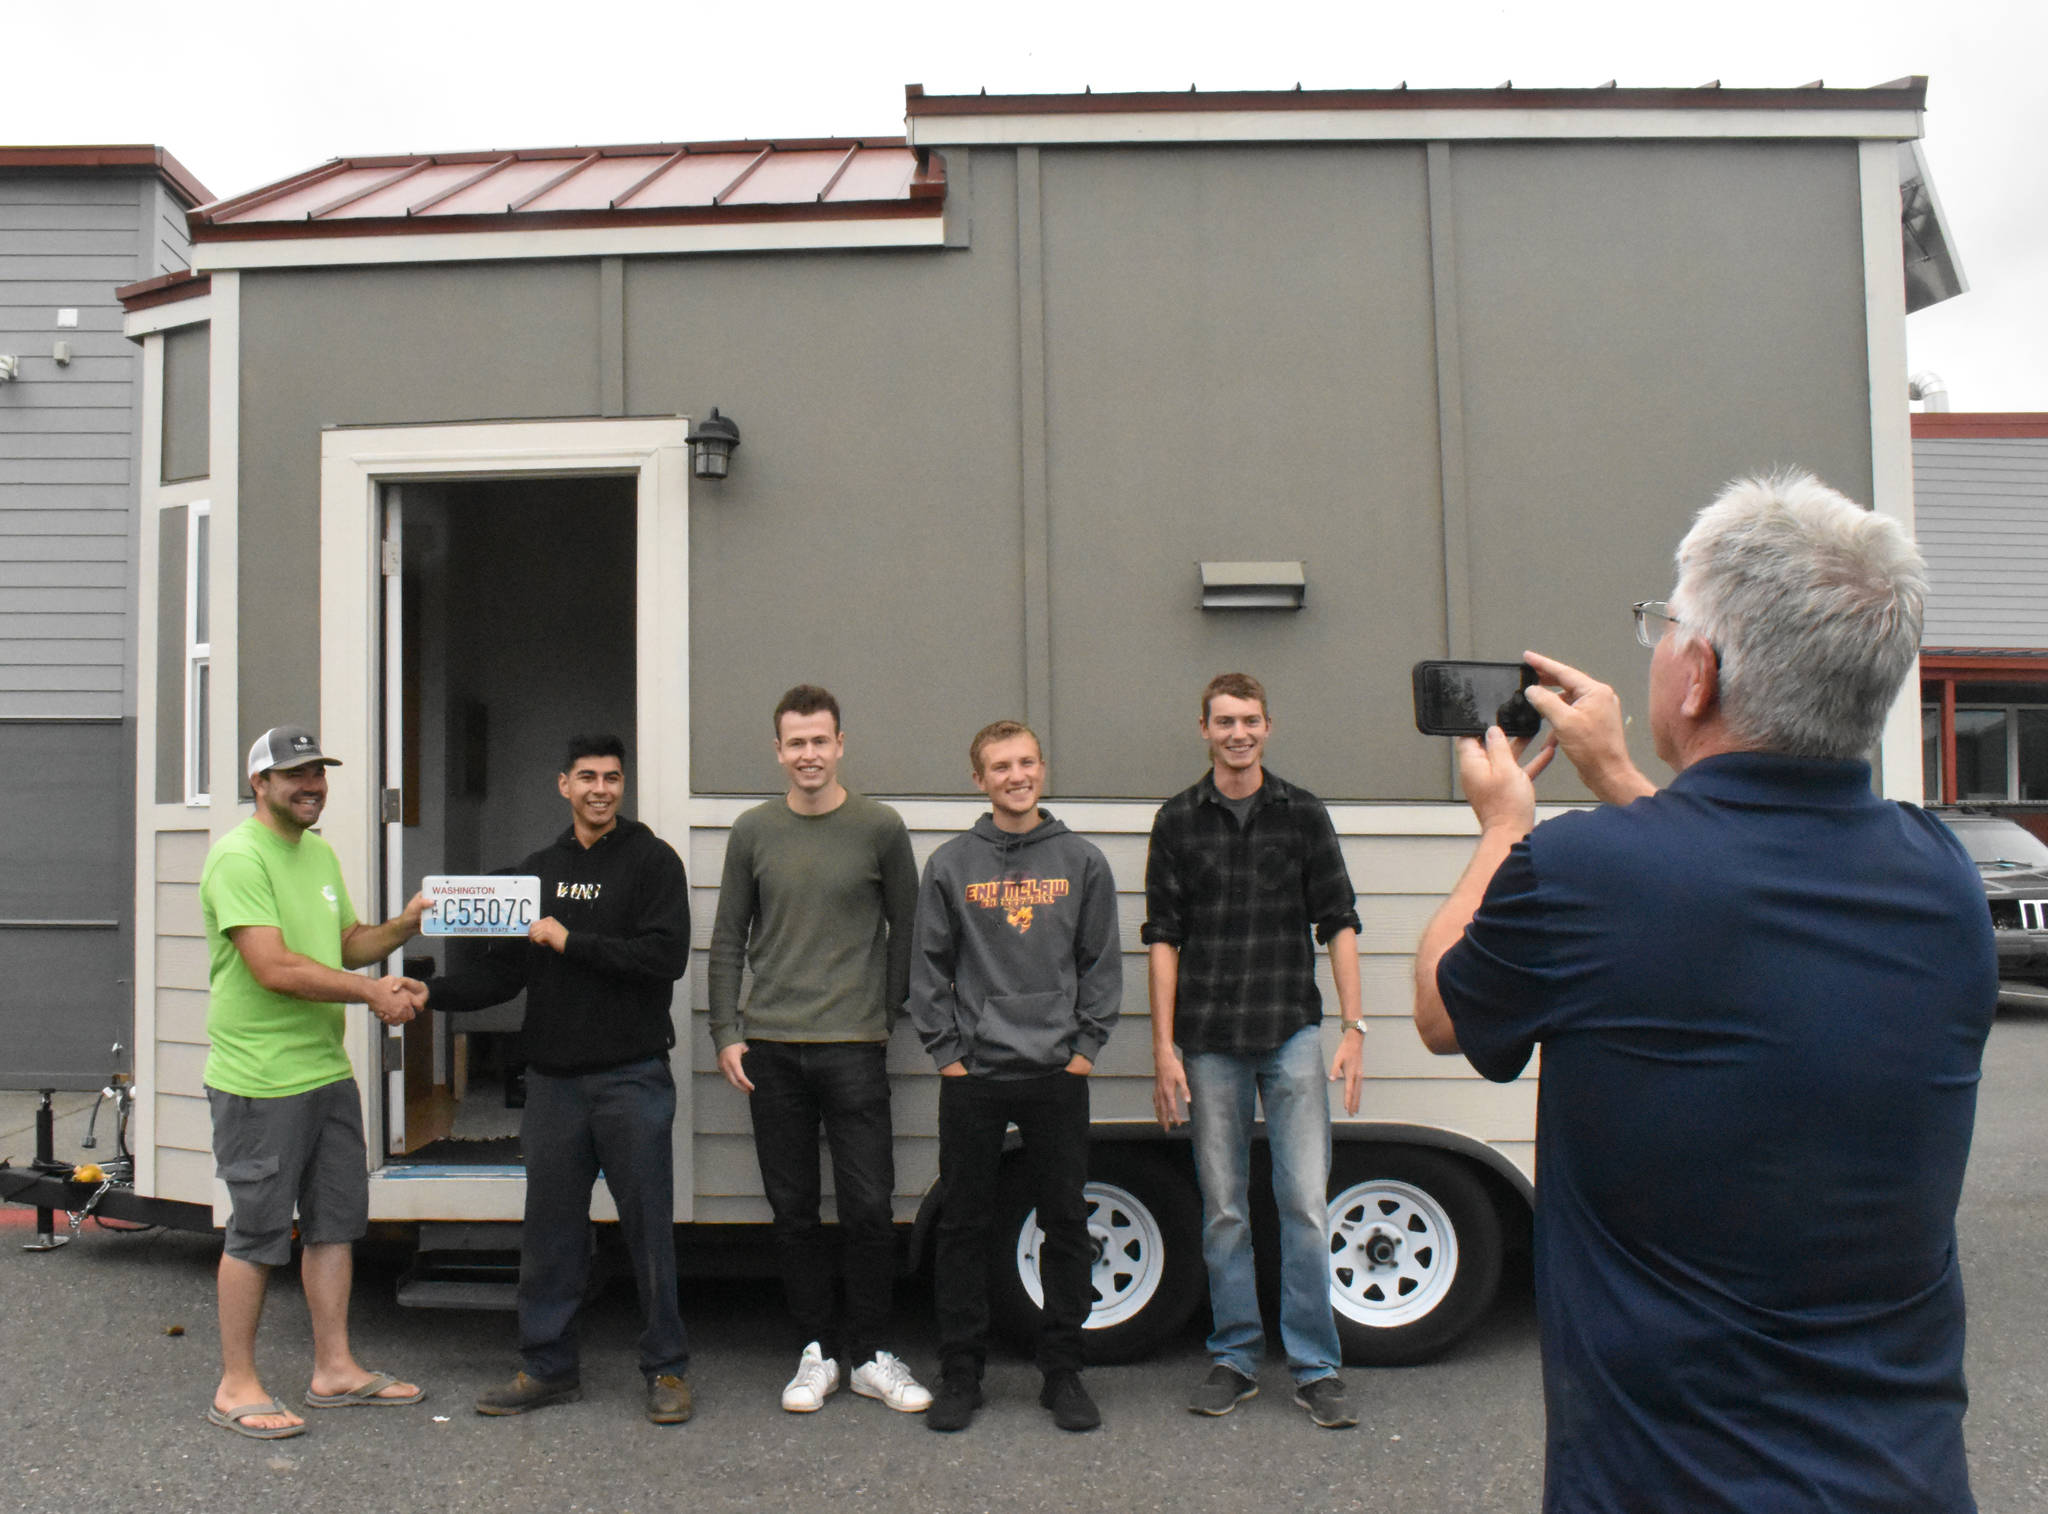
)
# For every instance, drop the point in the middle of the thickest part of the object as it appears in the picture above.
(1051, 408)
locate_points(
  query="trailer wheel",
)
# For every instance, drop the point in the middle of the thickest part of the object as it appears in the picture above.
(1146, 1222)
(1415, 1252)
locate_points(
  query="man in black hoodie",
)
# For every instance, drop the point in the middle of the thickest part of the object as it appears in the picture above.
(599, 971)
(1016, 973)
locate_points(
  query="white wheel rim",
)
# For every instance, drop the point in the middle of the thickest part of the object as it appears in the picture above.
(1393, 1253)
(1130, 1255)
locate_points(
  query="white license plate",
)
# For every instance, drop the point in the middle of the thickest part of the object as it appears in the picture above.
(480, 905)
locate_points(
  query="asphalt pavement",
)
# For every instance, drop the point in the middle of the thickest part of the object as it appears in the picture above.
(110, 1351)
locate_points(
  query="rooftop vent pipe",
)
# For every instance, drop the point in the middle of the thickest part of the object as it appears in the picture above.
(1929, 390)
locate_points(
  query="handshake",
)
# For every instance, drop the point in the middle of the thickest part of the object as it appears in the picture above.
(395, 1000)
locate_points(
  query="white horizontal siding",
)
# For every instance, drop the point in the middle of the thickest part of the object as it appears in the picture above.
(1400, 876)
(172, 1022)
(1981, 513)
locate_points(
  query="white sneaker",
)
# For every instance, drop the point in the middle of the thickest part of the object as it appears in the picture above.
(889, 1380)
(817, 1379)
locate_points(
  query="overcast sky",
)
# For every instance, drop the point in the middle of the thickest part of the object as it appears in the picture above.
(245, 93)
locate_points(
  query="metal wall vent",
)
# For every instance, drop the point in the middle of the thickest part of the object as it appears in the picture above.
(1253, 585)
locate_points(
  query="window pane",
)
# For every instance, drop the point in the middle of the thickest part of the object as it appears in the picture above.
(2033, 754)
(202, 531)
(1930, 754)
(1980, 754)
(202, 709)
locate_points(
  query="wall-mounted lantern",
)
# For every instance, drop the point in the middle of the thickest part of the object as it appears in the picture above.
(713, 439)
(1253, 585)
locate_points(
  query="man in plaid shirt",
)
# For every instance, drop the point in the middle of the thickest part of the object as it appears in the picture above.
(1242, 867)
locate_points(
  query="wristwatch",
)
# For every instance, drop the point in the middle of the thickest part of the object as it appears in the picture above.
(1357, 1025)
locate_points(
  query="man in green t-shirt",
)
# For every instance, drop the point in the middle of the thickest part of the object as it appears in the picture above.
(817, 896)
(287, 1119)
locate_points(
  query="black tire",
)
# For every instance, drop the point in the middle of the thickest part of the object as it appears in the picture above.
(1415, 1252)
(1139, 1203)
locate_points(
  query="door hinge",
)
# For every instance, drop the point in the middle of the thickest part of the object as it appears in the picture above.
(393, 558)
(392, 810)
(394, 1054)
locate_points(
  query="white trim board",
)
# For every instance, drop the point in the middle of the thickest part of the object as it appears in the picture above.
(1891, 427)
(514, 242)
(354, 465)
(195, 311)
(1134, 817)
(1418, 125)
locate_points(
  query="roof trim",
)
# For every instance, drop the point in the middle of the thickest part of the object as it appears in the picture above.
(133, 155)
(553, 220)
(1884, 112)
(587, 235)
(1933, 424)
(1981, 664)
(164, 289)
(1909, 93)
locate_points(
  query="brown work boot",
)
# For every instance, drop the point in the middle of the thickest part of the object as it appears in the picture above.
(668, 1399)
(524, 1393)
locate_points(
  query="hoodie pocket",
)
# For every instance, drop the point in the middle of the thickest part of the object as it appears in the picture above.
(1023, 1033)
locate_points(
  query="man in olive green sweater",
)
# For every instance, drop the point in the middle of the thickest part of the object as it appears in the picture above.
(817, 897)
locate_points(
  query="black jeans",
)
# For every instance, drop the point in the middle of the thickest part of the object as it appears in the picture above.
(617, 1121)
(843, 1085)
(1051, 1113)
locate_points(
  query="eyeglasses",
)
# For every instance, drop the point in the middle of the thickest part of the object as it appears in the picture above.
(1647, 610)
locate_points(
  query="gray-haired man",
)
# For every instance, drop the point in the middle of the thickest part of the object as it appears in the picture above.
(1762, 994)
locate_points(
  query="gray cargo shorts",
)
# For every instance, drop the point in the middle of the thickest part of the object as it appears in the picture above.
(303, 1151)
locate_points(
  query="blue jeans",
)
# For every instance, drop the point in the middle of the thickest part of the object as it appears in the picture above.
(617, 1121)
(1223, 1090)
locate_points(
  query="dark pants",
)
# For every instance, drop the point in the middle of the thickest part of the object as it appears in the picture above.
(843, 1085)
(617, 1121)
(1051, 1113)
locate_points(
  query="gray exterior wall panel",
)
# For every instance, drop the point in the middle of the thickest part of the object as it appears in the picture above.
(170, 655)
(68, 440)
(1641, 323)
(188, 353)
(869, 535)
(65, 917)
(1977, 504)
(1237, 369)
(377, 347)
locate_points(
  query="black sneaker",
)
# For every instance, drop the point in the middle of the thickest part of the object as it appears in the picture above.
(1072, 1408)
(1221, 1391)
(953, 1409)
(524, 1393)
(1326, 1404)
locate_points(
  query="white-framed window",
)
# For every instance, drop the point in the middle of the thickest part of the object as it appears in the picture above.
(198, 654)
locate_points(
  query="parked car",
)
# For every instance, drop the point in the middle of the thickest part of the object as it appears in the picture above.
(2014, 864)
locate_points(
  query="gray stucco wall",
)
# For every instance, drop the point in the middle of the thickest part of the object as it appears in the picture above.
(1478, 391)
(1980, 505)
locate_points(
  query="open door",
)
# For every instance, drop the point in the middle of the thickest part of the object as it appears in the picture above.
(509, 624)
(419, 1105)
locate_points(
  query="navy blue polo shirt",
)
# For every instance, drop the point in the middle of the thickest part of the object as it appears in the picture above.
(1762, 996)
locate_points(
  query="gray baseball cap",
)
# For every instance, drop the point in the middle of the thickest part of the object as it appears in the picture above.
(287, 746)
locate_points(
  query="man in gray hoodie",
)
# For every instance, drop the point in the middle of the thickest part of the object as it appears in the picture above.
(1016, 973)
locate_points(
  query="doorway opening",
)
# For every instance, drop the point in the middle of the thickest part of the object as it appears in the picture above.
(515, 629)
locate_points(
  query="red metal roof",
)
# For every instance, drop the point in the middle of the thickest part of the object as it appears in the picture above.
(164, 289)
(168, 168)
(1903, 94)
(1980, 423)
(654, 184)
